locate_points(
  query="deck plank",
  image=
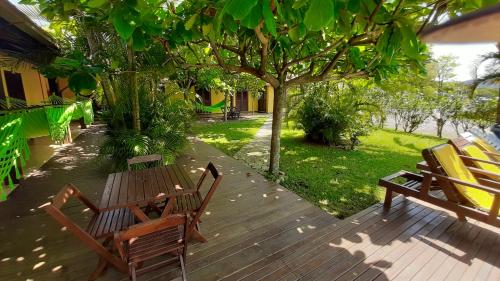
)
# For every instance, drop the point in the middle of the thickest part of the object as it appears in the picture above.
(256, 230)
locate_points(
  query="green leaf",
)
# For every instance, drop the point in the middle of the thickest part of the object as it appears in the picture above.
(189, 24)
(67, 62)
(207, 28)
(96, 3)
(80, 81)
(355, 57)
(269, 18)
(138, 40)
(319, 14)
(409, 44)
(239, 9)
(354, 5)
(297, 32)
(122, 26)
(252, 19)
(299, 4)
(230, 24)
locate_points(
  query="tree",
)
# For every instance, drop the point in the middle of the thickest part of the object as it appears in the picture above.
(282, 42)
(289, 43)
(446, 94)
(490, 77)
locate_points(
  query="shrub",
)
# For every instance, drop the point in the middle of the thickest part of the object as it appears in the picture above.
(165, 124)
(333, 118)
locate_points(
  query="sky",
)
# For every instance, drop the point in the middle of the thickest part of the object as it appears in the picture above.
(466, 55)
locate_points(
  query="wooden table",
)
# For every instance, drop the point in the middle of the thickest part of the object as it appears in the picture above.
(138, 188)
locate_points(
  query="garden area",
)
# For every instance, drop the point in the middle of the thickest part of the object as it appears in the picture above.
(342, 182)
(287, 129)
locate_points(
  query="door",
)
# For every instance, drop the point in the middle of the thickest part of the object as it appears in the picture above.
(14, 83)
(242, 101)
(262, 106)
(53, 88)
(205, 97)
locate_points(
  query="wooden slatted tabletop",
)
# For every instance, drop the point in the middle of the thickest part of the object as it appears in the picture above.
(139, 187)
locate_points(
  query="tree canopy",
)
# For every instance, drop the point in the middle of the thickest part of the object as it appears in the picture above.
(282, 42)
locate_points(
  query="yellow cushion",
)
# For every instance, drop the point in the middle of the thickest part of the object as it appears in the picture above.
(455, 168)
(475, 152)
(486, 147)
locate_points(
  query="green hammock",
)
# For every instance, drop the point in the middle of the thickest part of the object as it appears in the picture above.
(58, 118)
(212, 108)
(84, 110)
(35, 123)
(14, 146)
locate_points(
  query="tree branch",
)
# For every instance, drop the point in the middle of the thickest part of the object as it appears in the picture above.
(243, 69)
(372, 15)
(318, 54)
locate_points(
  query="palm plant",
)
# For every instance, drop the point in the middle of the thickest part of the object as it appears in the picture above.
(491, 76)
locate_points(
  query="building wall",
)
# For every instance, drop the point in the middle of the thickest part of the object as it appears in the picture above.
(36, 87)
(62, 84)
(269, 98)
(253, 100)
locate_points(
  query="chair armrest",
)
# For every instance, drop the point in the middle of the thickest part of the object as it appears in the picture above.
(483, 172)
(492, 153)
(494, 189)
(479, 160)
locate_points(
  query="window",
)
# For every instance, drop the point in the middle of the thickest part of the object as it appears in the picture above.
(14, 83)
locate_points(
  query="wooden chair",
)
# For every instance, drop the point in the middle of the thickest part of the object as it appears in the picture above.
(153, 160)
(195, 204)
(488, 149)
(102, 226)
(149, 240)
(464, 194)
(472, 155)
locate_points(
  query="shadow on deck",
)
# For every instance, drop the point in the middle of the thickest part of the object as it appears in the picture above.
(256, 230)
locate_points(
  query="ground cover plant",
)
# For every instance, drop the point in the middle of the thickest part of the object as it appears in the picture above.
(228, 136)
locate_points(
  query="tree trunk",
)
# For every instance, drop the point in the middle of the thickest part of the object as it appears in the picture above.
(498, 109)
(439, 125)
(279, 101)
(136, 120)
(105, 82)
(225, 105)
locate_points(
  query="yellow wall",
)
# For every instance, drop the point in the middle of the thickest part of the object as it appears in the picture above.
(253, 100)
(270, 98)
(62, 84)
(216, 97)
(36, 87)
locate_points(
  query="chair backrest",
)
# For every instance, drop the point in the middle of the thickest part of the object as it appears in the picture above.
(476, 152)
(152, 226)
(217, 179)
(444, 160)
(54, 209)
(467, 148)
(155, 159)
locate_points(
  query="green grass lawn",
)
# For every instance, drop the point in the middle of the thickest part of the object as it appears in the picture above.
(345, 182)
(229, 136)
(339, 181)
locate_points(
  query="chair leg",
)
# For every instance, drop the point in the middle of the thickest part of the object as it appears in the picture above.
(133, 275)
(388, 199)
(183, 269)
(101, 267)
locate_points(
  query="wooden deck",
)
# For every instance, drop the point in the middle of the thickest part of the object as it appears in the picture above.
(257, 230)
